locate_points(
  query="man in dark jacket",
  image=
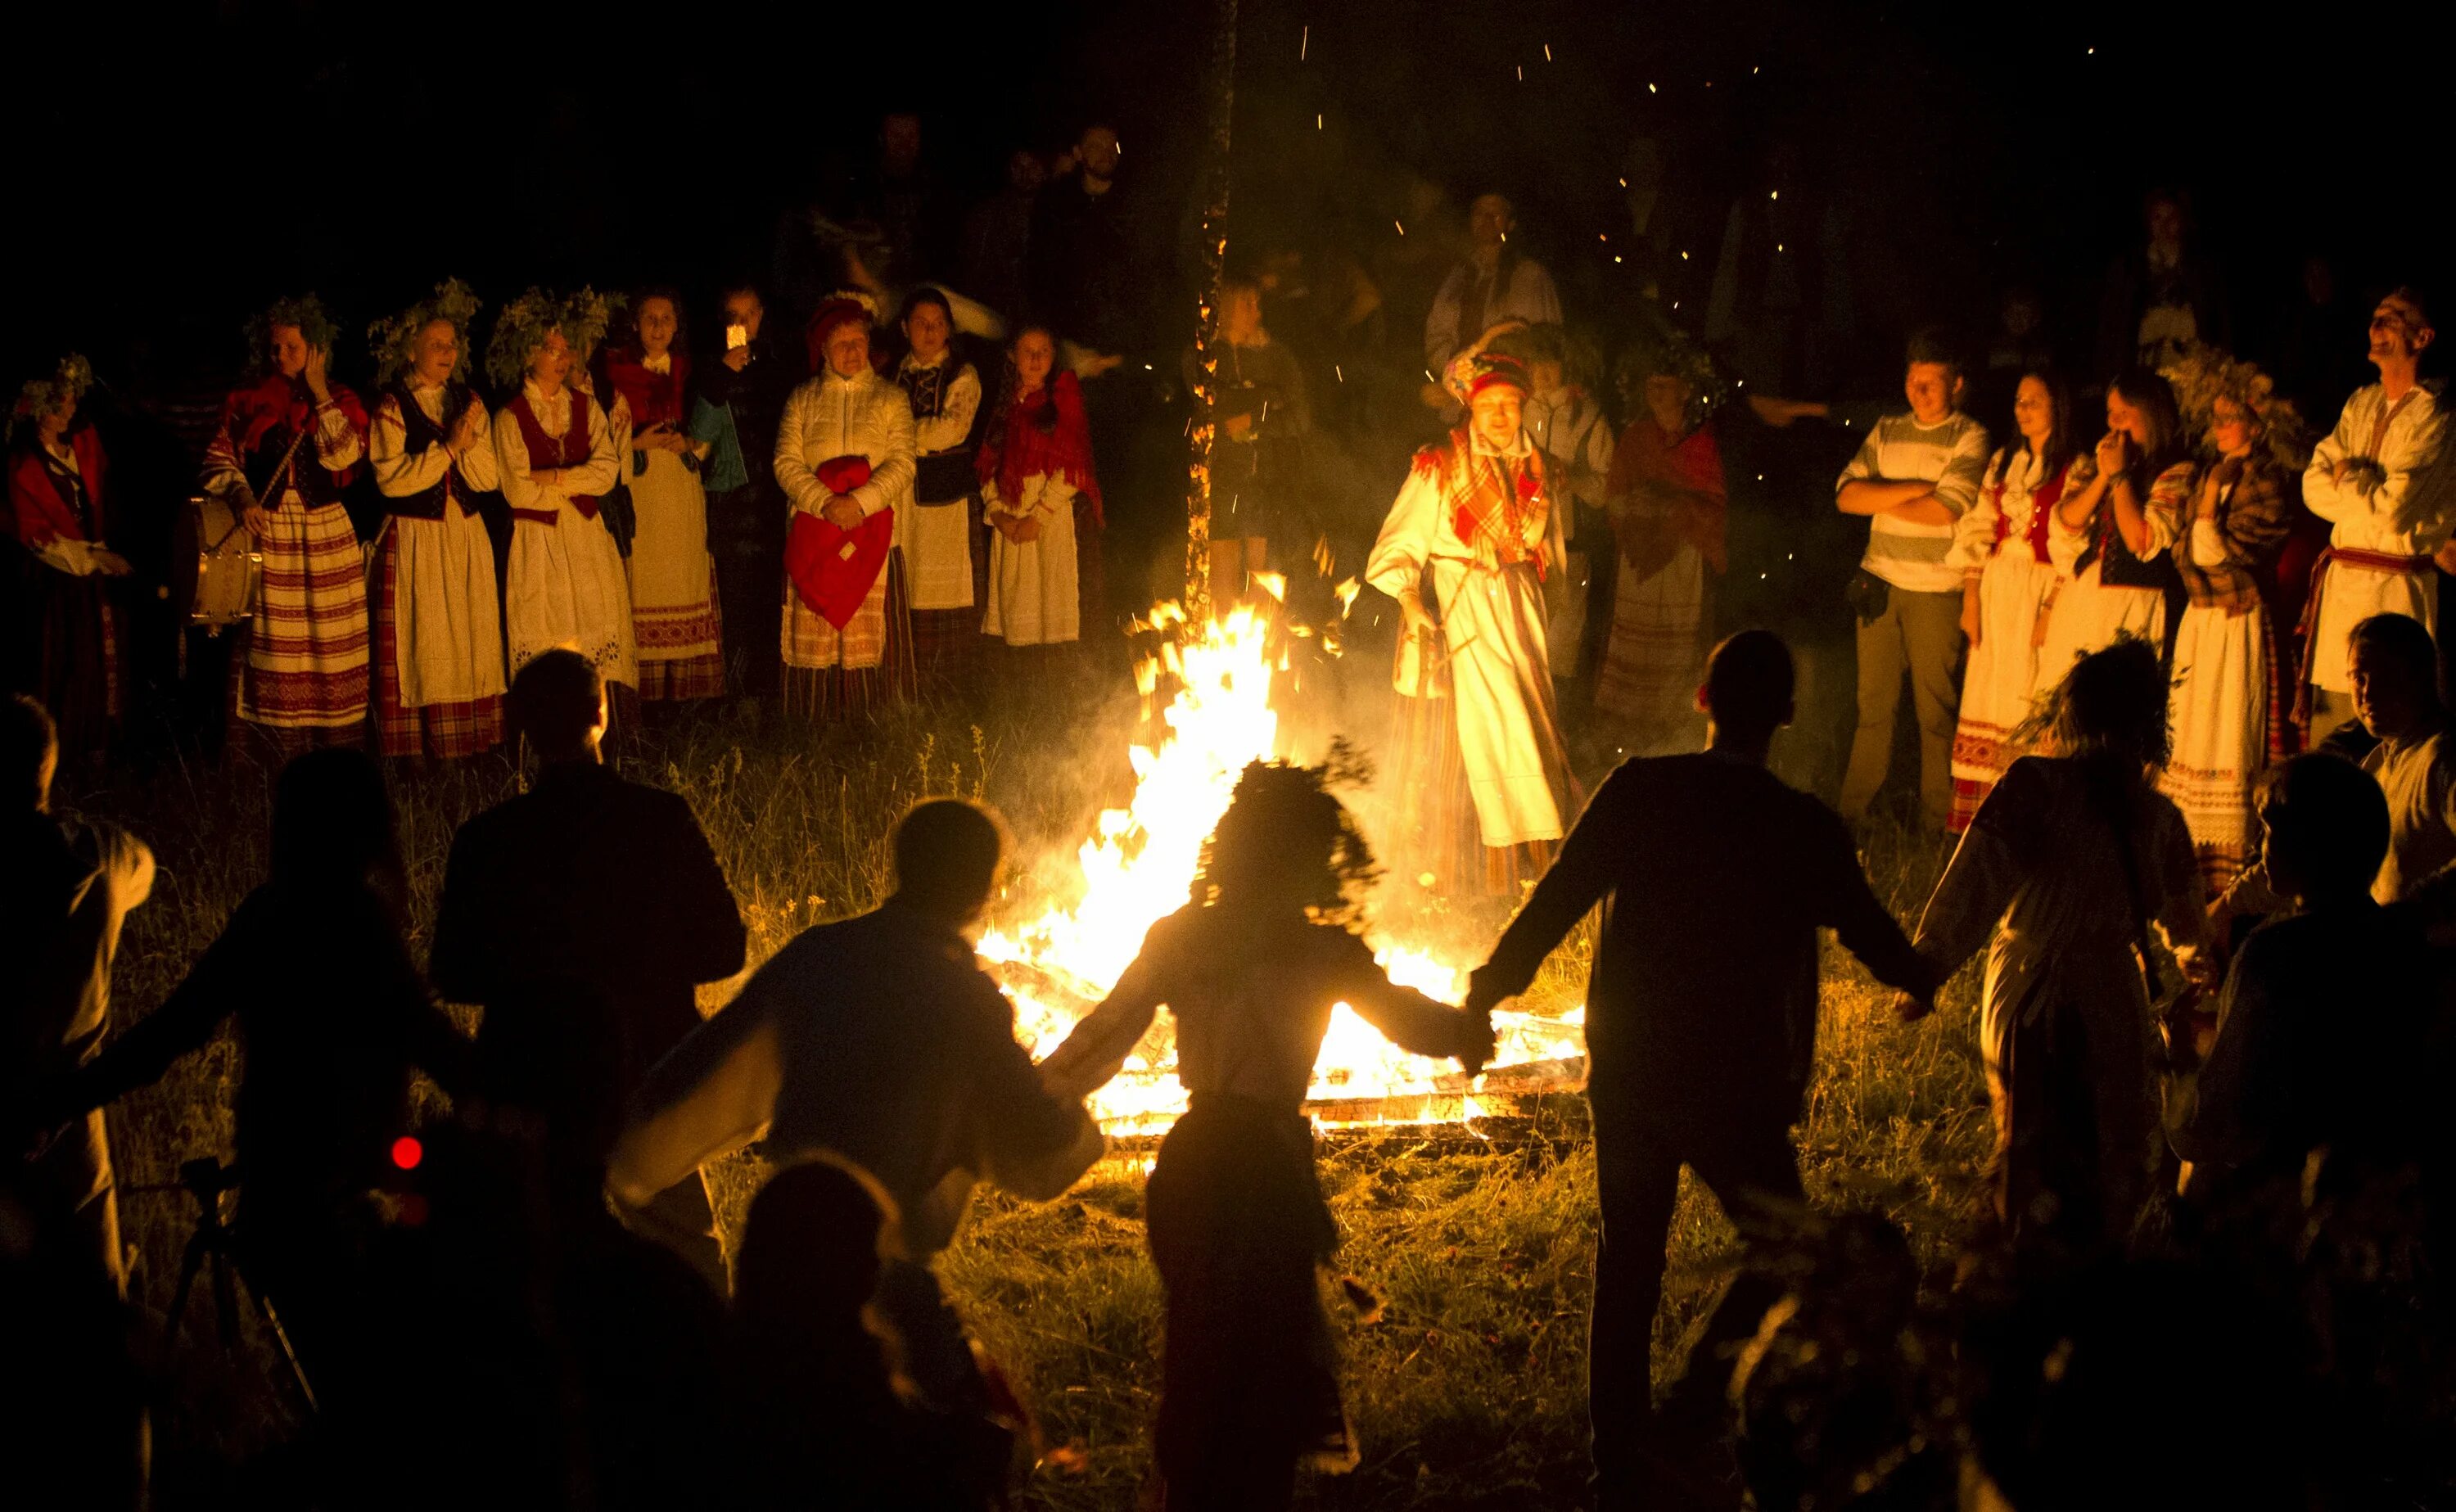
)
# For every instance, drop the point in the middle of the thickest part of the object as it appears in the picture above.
(747, 382)
(878, 1038)
(66, 884)
(1700, 1019)
(587, 889)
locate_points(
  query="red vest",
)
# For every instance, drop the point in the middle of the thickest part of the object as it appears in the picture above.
(568, 450)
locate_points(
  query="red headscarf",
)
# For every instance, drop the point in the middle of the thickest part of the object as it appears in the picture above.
(1042, 433)
(824, 322)
(655, 398)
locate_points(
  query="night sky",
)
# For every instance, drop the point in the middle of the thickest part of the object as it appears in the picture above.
(177, 165)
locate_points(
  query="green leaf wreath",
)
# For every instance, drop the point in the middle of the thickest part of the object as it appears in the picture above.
(303, 311)
(395, 341)
(2203, 374)
(40, 396)
(527, 320)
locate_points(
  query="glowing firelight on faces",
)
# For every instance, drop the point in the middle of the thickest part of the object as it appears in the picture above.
(1139, 863)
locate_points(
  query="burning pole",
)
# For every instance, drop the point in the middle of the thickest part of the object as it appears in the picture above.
(1206, 315)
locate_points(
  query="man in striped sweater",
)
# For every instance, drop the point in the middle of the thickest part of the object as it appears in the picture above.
(1912, 478)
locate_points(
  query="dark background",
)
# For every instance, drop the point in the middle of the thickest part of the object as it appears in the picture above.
(177, 165)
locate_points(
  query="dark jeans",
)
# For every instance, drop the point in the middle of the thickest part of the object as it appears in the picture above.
(1754, 1173)
(745, 535)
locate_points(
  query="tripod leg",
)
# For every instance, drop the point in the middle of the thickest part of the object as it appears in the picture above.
(282, 1339)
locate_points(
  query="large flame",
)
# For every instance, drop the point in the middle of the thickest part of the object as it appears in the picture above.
(1137, 867)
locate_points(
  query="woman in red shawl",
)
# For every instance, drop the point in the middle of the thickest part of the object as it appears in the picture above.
(1043, 501)
(674, 613)
(1665, 497)
(289, 444)
(56, 504)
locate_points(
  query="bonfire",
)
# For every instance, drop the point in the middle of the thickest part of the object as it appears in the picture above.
(1217, 675)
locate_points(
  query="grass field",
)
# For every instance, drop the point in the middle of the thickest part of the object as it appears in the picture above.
(1467, 1391)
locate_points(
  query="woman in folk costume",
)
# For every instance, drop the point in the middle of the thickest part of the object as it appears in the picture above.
(934, 535)
(1476, 712)
(287, 446)
(2071, 861)
(2229, 709)
(72, 626)
(2008, 584)
(439, 622)
(1666, 495)
(674, 612)
(555, 448)
(844, 456)
(2109, 535)
(1043, 499)
(1250, 970)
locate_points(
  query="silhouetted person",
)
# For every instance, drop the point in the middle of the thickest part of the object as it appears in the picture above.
(589, 889)
(1250, 970)
(2066, 867)
(879, 1038)
(66, 884)
(331, 1018)
(2321, 1028)
(818, 1418)
(1701, 1018)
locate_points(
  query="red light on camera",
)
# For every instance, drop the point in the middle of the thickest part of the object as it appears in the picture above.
(407, 1153)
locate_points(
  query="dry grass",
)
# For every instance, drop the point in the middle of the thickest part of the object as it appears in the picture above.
(1467, 1393)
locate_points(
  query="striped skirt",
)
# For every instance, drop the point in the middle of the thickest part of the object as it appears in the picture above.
(872, 658)
(439, 730)
(1657, 650)
(306, 661)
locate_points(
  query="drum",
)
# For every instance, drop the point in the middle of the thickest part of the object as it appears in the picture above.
(214, 566)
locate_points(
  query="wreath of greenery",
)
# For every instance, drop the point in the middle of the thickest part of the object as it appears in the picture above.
(527, 320)
(1671, 352)
(2203, 374)
(40, 396)
(304, 312)
(395, 341)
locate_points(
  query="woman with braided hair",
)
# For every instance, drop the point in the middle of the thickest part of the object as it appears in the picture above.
(1250, 970)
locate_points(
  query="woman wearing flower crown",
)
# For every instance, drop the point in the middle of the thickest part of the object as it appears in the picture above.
(438, 672)
(288, 446)
(556, 452)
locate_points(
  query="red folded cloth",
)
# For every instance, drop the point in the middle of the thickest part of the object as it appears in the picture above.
(833, 569)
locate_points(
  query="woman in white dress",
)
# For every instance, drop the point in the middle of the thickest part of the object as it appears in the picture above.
(2008, 584)
(439, 659)
(674, 613)
(2227, 709)
(2110, 537)
(1042, 498)
(935, 536)
(554, 448)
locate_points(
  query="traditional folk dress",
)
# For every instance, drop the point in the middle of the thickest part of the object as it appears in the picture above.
(2104, 590)
(1476, 713)
(1668, 515)
(564, 586)
(1036, 465)
(303, 674)
(937, 533)
(2001, 543)
(73, 627)
(674, 613)
(830, 420)
(1249, 1381)
(2062, 875)
(439, 676)
(2228, 719)
(2389, 513)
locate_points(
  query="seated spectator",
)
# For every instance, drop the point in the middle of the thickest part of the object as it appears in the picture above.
(2320, 1034)
(820, 1416)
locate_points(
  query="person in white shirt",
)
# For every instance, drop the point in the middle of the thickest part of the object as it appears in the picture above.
(438, 673)
(1492, 285)
(1914, 477)
(2381, 479)
(934, 535)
